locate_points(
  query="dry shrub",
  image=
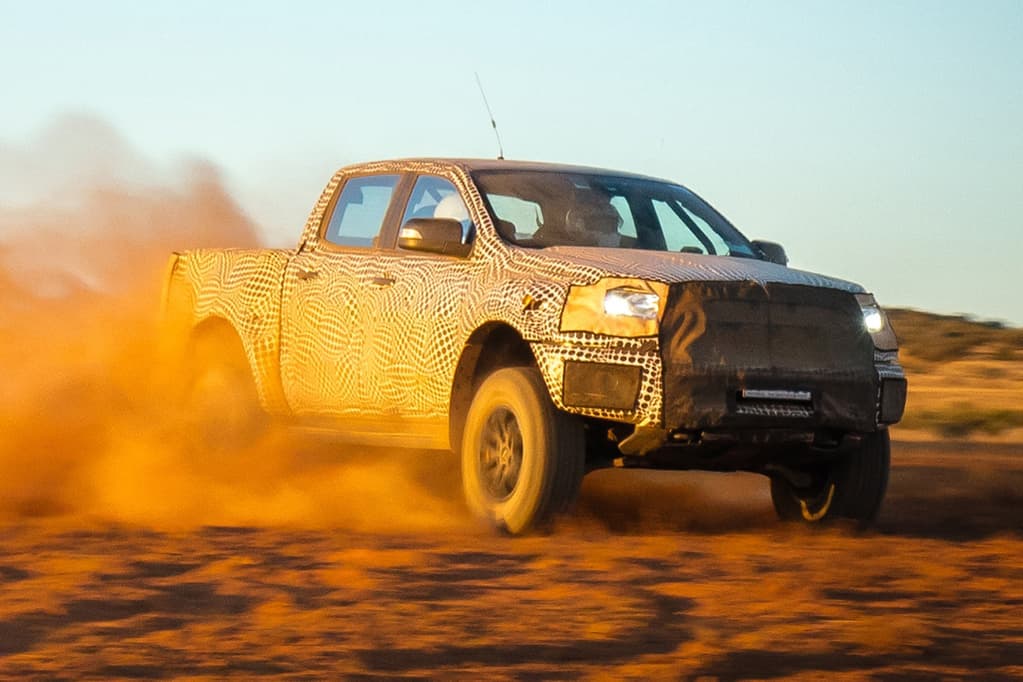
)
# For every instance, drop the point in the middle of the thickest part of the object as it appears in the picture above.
(944, 338)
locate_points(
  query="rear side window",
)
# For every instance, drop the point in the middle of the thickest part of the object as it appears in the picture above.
(360, 210)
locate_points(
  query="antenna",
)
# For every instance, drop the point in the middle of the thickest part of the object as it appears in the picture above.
(493, 123)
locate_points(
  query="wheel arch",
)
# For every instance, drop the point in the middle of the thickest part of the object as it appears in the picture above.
(214, 325)
(492, 346)
(215, 339)
(217, 331)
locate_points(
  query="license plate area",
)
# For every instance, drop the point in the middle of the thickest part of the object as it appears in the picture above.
(774, 402)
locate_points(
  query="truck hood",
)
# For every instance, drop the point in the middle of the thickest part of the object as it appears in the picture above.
(670, 267)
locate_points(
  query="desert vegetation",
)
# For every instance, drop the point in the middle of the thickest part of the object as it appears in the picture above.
(965, 376)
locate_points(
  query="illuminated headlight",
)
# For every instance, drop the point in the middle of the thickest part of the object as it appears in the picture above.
(873, 320)
(626, 302)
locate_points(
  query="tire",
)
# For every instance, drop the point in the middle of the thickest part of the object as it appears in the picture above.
(522, 460)
(850, 487)
(220, 400)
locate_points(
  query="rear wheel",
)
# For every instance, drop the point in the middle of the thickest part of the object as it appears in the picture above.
(849, 487)
(522, 460)
(220, 398)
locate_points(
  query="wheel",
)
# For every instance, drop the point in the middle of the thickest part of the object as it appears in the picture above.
(219, 398)
(849, 487)
(522, 460)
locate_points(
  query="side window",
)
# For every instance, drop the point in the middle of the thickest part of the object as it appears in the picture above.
(677, 235)
(720, 245)
(359, 211)
(435, 197)
(628, 226)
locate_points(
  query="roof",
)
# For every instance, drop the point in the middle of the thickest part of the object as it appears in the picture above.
(471, 165)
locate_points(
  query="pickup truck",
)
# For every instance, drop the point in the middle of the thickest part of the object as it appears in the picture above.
(543, 321)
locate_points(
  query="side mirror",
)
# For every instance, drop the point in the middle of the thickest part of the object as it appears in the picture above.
(434, 235)
(772, 251)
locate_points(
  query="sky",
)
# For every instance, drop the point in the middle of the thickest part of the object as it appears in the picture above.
(880, 142)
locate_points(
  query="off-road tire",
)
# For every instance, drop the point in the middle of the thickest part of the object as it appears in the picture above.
(512, 406)
(851, 486)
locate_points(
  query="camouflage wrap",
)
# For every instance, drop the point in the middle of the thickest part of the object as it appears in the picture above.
(333, 343)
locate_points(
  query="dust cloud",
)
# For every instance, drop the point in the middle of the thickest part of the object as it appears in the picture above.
(87, 434)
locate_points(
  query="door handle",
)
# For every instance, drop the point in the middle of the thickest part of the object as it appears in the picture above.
(307, 274)
(380, 282)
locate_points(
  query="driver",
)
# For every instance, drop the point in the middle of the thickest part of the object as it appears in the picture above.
(594, 224)
(590, 220)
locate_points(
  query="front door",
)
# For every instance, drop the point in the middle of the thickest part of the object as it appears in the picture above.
(415, 337)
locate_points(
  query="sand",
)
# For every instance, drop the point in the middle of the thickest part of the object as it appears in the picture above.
(656, 575)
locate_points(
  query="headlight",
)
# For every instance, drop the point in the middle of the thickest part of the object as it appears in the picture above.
(627, 302)
(876, 323)
(873, 320)
(628, 307)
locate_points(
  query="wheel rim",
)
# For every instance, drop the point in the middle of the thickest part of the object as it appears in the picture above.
(500, 454)
(815, 507)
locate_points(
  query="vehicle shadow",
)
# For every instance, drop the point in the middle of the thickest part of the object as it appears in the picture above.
(954, 491)
(647, 501)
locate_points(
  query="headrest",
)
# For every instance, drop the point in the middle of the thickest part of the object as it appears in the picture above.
(451, 206)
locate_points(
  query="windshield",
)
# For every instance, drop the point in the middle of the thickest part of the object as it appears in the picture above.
(549, 208)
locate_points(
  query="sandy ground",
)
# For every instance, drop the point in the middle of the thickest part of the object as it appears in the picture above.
(656, 575)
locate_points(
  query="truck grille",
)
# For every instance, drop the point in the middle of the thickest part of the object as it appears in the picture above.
(739, 353)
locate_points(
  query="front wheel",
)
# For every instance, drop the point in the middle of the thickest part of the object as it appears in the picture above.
(522, 460)
(851, 486)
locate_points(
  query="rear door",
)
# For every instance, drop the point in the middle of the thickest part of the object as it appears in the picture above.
(325, 323)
